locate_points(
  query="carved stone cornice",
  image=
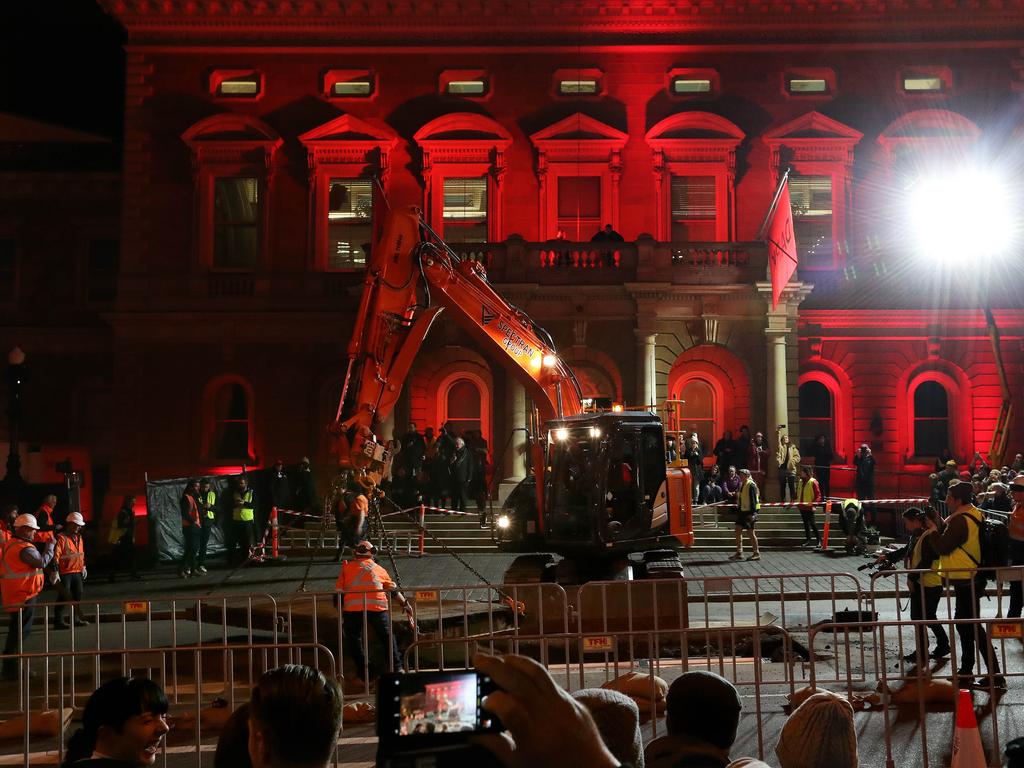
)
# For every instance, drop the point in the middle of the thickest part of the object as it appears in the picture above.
(533, 21)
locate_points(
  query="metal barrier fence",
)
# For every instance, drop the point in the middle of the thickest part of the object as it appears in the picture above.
(220, 670)
(152, 623)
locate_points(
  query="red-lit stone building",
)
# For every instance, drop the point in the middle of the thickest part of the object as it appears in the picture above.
(253, 130)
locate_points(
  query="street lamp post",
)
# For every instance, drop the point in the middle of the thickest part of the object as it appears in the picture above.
(17, 372)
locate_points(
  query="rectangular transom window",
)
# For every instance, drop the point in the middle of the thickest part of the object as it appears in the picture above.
(349, 223)
(349, 83)
(694, 209)
(236, 84)
(691, 85)
(574, 87)
(236, 217)
(353, 88)
(922, 83)
(465, 209)
(467, 87)
(579, 206)
(807, 85)
(811, 199)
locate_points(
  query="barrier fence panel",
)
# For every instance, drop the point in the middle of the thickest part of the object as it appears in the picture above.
(598, 659)
(151, 623)
(906, 739)
(461, 611)
(223, 671)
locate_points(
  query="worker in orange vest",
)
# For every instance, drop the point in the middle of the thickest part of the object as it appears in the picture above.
(364, 586)
(20, 585)
(69, 559)
(44, 519)
(7, 523)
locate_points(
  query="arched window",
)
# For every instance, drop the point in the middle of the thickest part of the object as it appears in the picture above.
(817, 415)
(463, 406)
(698, 412)
(232, 424)
(931, 419)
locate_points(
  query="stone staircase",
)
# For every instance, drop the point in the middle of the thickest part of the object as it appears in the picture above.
(777, 529)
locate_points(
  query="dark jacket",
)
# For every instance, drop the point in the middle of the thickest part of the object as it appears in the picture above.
(461, 465)
(280, 490)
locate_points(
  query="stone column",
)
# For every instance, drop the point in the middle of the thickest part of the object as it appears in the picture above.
(514, 464)
(778, 404)
(645, 367)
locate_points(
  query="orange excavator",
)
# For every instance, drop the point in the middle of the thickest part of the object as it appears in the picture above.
(600, 487)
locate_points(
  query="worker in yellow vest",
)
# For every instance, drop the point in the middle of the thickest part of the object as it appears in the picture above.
(925, 589)
(808, 497)
(749, 502)
(243, 520)
(20, 585)
(959, 547)
(208, 518)
(69, 558)
(364, 586)
(1015, 524)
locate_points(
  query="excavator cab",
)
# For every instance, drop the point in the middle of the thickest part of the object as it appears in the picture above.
(605, 482)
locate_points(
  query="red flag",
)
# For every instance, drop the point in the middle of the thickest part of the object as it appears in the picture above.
(778, 234)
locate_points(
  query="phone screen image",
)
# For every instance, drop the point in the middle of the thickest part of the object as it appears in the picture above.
(432, 706)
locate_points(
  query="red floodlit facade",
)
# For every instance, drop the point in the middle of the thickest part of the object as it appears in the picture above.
(254, 132)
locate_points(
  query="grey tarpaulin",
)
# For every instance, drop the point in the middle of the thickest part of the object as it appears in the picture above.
(162, 502)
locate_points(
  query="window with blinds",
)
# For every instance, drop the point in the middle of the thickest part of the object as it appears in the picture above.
(349, 223)
(579, 206)
(694, 209)
(465, 209)
(811, 198)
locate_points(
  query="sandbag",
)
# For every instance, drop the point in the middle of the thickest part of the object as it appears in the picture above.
(46, 723)
(637, 685)
(930, 691)
(359, 712)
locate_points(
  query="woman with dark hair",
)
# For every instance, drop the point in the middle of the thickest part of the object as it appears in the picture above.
(123, 726)
(233, 744)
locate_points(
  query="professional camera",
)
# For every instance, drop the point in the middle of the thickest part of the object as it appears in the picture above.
(889, 562)
(429, 718)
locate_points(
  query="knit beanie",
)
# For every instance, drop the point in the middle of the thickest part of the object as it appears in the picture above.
(704, 706)
(618, 721)
(820, 732)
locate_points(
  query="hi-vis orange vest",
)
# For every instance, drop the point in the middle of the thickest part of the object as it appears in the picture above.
(20, 581)
(365, 585)
(69, 554)
(44, 536)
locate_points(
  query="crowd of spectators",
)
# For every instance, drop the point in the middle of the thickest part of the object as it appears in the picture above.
(443, 469)
(991, 485)
(294, 714)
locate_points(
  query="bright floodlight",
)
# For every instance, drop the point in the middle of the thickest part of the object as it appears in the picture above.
(504, 522)
(962, 215)
(562, 433)
(550, 361)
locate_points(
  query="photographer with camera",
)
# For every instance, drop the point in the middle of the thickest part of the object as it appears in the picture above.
(959, 546)
(925, 589)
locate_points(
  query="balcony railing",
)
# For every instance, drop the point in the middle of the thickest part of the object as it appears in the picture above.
(555, 263)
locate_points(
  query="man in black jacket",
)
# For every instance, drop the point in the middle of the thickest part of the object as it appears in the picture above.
(461, 468)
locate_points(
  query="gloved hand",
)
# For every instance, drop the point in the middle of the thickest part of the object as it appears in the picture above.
(85, 573)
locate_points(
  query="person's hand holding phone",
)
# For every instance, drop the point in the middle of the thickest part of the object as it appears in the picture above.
(545, 724)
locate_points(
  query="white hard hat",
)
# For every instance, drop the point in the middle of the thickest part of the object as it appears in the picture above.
(26, 519)
(76, 517)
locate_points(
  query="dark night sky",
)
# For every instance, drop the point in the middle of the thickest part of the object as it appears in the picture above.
(61, 62)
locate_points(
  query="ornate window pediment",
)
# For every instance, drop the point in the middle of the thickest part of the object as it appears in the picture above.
(695, 175)
(587, 154)
(928, 129)
(233, 167)
(468, 150)
(812, 137)
(345, 155)
(819, 152)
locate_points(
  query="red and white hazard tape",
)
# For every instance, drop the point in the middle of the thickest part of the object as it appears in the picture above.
(835, 502)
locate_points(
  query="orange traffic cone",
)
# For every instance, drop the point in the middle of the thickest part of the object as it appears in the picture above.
(967, 749)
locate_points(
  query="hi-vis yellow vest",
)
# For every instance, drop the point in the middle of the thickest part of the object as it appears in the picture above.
(932, 578)
(957, 564)
(211, 502)
(807, 491)
(745, 496)
(244, 509)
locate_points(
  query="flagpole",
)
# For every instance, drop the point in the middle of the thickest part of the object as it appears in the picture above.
(771, 208)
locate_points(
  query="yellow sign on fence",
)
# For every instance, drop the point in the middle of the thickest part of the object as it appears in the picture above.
(1004, 629)
(426, 595)
(136, 606)
(598, 643)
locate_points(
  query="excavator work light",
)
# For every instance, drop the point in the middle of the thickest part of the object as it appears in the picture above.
(561, 433)
(617, 408)
(550, 361)
(504, 522)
